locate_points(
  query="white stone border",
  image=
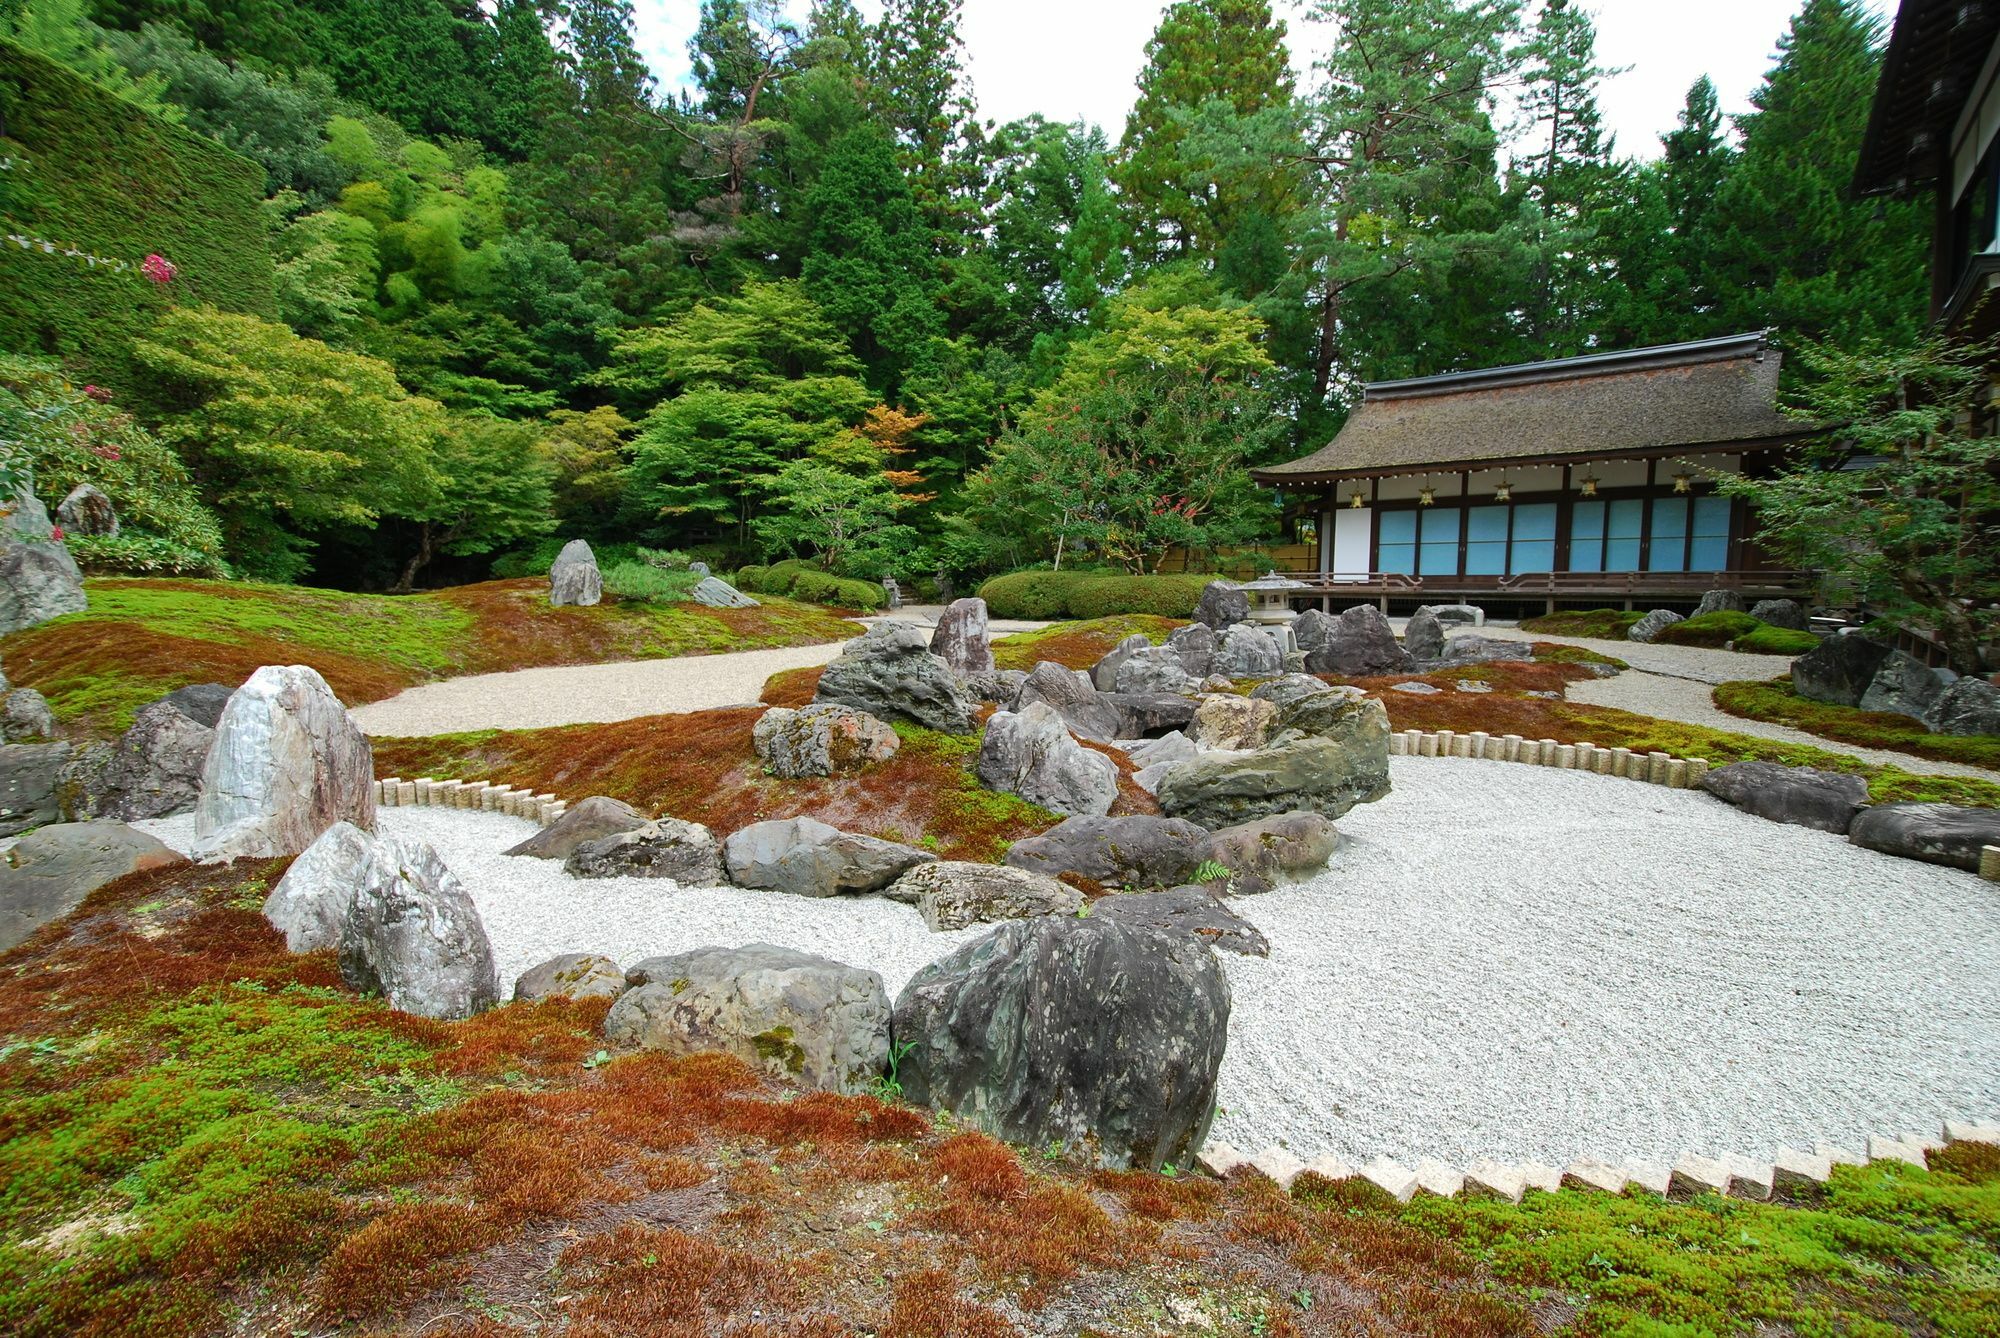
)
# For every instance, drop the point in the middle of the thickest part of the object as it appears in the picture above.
(1655, 768)
(542, 809)
(1789, 1173)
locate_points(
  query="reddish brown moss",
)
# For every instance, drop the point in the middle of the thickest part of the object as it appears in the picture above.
(792, 687)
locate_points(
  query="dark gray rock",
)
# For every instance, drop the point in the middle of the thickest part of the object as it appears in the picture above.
(1360, 643)
(1220, 605)
(962, 640)
(1100, 1037)
(717, 593)
(1282, 692)
(1824, 800)
(1153, 669)
(820, 740)
(1787, 613)
(1904, 685)
(49, 872)
(1839, 669)
(1649, 627)
(1104, 674)
(952, 894)
(1189, 911)
(1031, 754)
(664, 848)
(310, 904)
(573, 975)
(1423, 636)
(1968, 706)
(30, 774)
(414, 937)
(154, 769)
(39, 579)
(1083, 708)
(1282, 848)
(1145, 713)
(574, 578)
(890, 673)
(1341, 761)
(88, 512)
(789, 1014)
(586, 820)
(1719, 601)
(1467, 648)
(200, 702)
(1248, 651)
(1005, 687)
(1139, 851)
(1195, 644)
(806, 857)
(1936, 833)
(1313, 629)
(25, 717)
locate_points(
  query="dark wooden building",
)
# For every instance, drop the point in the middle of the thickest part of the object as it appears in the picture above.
(1586, 481)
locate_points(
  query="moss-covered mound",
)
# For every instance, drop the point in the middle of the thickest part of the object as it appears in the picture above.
(1609, 624)
(1079, 644)
(1738, 631)
(1777, 703)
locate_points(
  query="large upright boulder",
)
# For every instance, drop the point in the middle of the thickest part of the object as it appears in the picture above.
(1312, 628)
(1137, 851)
(1423, 636)
(821, 739)
(1359, 643)
(1786, 613)
(786, 1013)
(287, 762)
(1195, 645)
(1248, 651)
(154, 769)
(808, 858)
(1904, 685)
(891, 673)
(414, 937)
(1105, 672)
(1719, 601)
(50, 871)
(962, 640)
(1839, 669)
(310, 904)
(1968, 706)
(1088, 712)
(1824, 800)
(30, 782)
(87, 511)
(1220, 605)
(574, 578)
(39, 579)
(1031, 754)
(1100, 1037)
(1154, 669)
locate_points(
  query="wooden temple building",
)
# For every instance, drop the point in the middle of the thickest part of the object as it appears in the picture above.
(1580, 482)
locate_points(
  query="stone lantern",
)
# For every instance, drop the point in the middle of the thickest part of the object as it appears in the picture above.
(1271, 599)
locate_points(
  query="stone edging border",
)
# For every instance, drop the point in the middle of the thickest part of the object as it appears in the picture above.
(1789, 1173)
(484, 796)
(1655, 768)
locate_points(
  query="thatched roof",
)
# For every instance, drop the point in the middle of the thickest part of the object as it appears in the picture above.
(1709, 393)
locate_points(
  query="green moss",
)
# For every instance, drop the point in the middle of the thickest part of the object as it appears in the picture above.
(1079, 644)
(1608, 624)
(1738, 631)
(1550, 652)
(1765, 639)
(778, 1046)
(1774, 701)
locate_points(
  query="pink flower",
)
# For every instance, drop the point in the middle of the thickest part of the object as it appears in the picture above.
(107, 452)
(98, 393)
(158, 268)
(56, 533)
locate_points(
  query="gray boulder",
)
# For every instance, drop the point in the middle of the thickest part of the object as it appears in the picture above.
(414, 937)
(1968, 706)
(700, 568)
(573, 975)
(1154, 669)
(1649, 627)
(1104, 674)
(785, 1013)
(1191, 912)
(1282, 692)
(1248, 651)
(1169, 747)
(962, 640)
(585, 821)
(717, 593)
(49, 872)
(1904, 685)
(1145, 713)
(1936, 833)
(39, 579)
(806, 857)
(310, 904)
(1719, 601)
(664, 848)
(1839, 669)
(1232, 723)
(821, 739)
(30, 780)
(88, 512)
(1083, 708)
(1416, 688)
(1195, 644)
(1467, 648)
(286, 763)
(1138, 851)
(953, 895)
(1423, 636)
(1349, 717)
(1456, 615)
(1326, 774)
(1823, 800)
(1031, 754)
(1220, 605)
(25, 717)
(1279, 849)
(202, 703)
(1313, 629)
(574, 578)
(1359, 643)
(890, 673)
(1100, 1037)
(154, 769)
(1788, 613)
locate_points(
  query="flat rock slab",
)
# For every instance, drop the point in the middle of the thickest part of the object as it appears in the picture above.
(1189, 911)
(1936, 833)
(808, 858)
(1824, 800)
(1138, 851)
(51, 870)
(953, 894)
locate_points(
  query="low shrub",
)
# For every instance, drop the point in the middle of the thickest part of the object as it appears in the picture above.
(749, 578)
(1046, 595)
(1765, 639)
(778, 578)
(1609, 624)
(1709, 629)
(818, 587)
(644, 580)
(1035, 595)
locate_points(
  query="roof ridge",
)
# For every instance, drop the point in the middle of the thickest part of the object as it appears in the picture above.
(1688, 353)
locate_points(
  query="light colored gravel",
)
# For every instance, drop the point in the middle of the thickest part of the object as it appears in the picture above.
(1696, 662)
(1502, 961)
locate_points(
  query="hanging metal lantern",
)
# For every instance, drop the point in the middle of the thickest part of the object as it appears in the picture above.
(1682, 482)
(1504, 493)
(1588, 487)
(1425, 496)
(1356, 502)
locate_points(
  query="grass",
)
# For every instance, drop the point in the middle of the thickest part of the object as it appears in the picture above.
(1609, 624)
(1776, 703)
(1078, 645)
(143, 638)
(1738, 631)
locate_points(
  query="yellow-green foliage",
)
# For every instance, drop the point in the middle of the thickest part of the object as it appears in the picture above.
(1090, 594)
(1776, 702)
(1078, 645)
(95, 173)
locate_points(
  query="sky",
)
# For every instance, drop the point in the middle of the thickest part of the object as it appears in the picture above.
(1078, 58)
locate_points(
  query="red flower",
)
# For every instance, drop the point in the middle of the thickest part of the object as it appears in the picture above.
(98, 393)
(158, 268)
(56, 533)
(107, 452)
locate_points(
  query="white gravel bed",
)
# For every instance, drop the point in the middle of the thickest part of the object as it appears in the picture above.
(1702, 663)
(1502, 961)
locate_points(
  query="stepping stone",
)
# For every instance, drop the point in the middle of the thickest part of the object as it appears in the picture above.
(1794, 1173)
(1597, 1175)
(1495, 1180)
(1434, 1177)
(1649, 1176)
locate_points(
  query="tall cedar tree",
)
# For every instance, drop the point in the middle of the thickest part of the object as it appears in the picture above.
(917, 67)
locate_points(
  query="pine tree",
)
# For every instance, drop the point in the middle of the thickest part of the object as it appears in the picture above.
(523, 78)
(917, 68)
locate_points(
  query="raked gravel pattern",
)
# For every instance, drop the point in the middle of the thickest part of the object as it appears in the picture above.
(1501, 961)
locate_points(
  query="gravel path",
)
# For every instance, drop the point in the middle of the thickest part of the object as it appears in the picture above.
(1695, 662)
(1690, 979)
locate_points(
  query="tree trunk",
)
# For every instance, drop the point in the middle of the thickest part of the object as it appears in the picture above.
(418, 562)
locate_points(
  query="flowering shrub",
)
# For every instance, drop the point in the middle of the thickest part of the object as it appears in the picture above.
(98, 393)
(56, 533)
(158, 268)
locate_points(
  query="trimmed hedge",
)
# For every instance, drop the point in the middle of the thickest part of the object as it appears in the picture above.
(1742, 631)
(93, 173)
(1046, 595)
(817, 587)
(776, 579)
